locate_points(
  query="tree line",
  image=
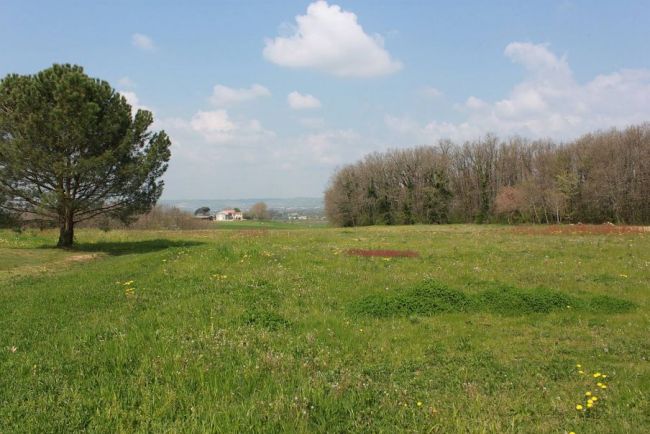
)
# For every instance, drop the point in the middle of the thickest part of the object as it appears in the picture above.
(599, 177)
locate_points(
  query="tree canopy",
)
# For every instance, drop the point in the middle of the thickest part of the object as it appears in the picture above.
(259, 211)
(71, 148)
(597, 178)
(204, 210)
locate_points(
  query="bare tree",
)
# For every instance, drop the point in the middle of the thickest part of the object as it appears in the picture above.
(259, 211)
(603, 176)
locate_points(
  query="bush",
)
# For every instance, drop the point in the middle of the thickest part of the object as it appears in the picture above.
(159, 218)
(431, 298)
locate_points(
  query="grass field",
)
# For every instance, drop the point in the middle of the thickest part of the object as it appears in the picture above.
(280, 329)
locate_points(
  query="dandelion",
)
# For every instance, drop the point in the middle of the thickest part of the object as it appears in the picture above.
(597, 374)
(572, 432)
(419, 403)
(589, 405)
(594, 399)
(581, 372)
(587, 393)
(579, 407)
(604, 386)
(599, 384)
(604, 376)
(578, 366)
(129, 283)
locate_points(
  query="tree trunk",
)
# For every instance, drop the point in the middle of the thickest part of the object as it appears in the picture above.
(66, 232)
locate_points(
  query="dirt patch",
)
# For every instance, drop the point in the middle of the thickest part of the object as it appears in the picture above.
(580, 229)
(384, 253)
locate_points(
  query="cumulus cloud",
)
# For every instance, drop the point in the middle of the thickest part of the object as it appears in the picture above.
(218, 128)
(133, 100)
(143, 42)
(331, 40)
(298, 101)
(474, 103)
(549, 102)
(431, 92)
(224, 95)
(325, 148)
(126, 82)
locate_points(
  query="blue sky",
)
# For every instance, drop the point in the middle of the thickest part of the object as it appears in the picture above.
(267, 99)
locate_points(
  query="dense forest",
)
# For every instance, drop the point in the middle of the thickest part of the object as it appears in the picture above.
(600, 177)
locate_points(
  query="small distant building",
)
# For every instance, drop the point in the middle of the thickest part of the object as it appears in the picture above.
(228, 215)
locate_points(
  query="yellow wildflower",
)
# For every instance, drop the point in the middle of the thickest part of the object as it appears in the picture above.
(419, 404)
(597, 374)
(589, 405)
(587, 393)
(595, 398)
(581, 372)
(578, 365)
(578, 407)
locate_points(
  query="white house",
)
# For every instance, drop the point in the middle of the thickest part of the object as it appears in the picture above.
(229, 215)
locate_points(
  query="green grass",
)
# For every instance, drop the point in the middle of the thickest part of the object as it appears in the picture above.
(268, 224)
(247, 330)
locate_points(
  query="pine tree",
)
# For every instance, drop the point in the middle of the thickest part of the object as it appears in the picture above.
(71, 149)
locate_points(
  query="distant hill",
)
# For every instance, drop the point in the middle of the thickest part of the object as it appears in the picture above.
(287, 204)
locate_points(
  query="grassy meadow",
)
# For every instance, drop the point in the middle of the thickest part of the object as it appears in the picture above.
(277, 328)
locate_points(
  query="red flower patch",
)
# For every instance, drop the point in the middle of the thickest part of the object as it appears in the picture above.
(384, 253)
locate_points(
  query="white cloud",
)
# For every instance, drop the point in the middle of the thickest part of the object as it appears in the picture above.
(298, 101)
(224, 95)
(330, 39)
(134, 101)
(143, 42)
(218, 128)
(126, 82)
(549, 102)
(331, 146)
(474, 103)
(325, 148)
(431, 92)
